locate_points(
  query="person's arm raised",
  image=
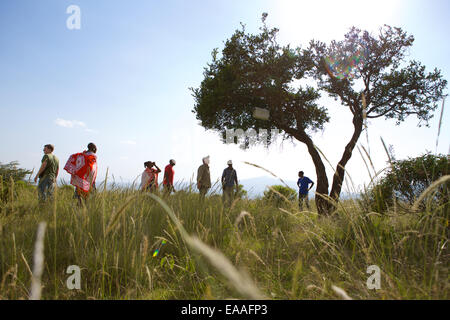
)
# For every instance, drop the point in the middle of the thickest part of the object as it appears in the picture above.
(157, 168)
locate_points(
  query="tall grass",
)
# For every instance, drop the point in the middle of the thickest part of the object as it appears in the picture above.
(272, 252)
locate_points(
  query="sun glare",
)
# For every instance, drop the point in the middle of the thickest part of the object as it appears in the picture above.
(299, 21)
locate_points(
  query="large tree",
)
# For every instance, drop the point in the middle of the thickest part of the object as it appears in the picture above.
(369, 76)
(254, 71)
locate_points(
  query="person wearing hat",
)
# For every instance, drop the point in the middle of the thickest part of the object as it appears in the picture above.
(203, 178)
(229, 181)
(169, 173)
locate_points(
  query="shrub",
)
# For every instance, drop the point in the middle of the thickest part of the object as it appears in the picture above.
(407, 179)
(66, 188)
(273, 194)
(241, 192)
(10, 175)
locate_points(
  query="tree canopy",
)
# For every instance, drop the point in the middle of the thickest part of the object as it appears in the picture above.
(254, 71)
(368, 74)
(10, 173)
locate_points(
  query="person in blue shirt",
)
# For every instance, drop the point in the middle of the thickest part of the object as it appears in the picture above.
(303, 185)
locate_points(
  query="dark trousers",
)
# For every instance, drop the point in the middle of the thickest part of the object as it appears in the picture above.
(301, 198)
(46, 188)
(151, 188)
(228, 195)
(168, 188)
(203, 192)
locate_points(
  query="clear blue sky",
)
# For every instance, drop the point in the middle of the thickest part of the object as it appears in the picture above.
(122, 80)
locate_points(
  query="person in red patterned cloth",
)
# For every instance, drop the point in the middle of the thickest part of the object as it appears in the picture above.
(83, 170)
(149, 178)
(168, 177)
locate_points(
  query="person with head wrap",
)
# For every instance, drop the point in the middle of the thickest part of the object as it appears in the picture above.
(203, 178)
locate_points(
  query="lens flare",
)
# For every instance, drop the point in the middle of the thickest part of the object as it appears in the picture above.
(157, 250)
(342, 67)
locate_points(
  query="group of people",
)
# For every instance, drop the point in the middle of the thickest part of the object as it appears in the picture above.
(149, 179)
(83, 170)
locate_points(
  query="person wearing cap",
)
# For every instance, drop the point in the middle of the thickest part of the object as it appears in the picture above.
(149, 178)
(169, 173)
(203, 178)
(229, 181)
(47, 174)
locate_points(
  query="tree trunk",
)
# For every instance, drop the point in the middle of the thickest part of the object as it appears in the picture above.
(339, 175)
(323, 205)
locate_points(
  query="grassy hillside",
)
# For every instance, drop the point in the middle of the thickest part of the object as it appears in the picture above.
(275, 253)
